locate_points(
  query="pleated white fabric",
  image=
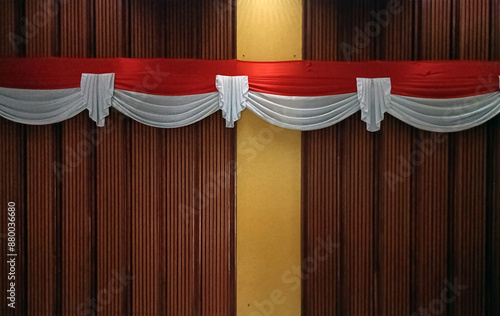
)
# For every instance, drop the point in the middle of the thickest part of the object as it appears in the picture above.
(374, 97)
(40, 107)
(302, 113)
(445, 115)
(165, 111)
(233, 96)
(97, 91)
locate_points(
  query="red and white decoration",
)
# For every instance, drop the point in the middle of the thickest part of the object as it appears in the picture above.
(303, 95)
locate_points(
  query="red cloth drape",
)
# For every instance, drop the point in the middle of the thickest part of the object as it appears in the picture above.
(436, 79)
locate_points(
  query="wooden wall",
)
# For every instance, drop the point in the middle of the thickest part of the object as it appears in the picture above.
(125, 219)
(407, 210)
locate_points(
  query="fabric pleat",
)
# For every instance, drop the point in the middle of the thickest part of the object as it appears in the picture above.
(373, 99)
(165, 111)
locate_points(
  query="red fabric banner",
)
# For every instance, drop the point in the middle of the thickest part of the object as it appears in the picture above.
(432, 79)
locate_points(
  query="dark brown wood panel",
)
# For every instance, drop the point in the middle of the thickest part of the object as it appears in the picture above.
(144, 208)
(433, 22)
(125, 219)
(357, 207)
(473, 18)
(181, 275)
(40, 27)
(77, 188)
(432, 221)
(13, 188)
(13, 171)
(469, 225)
(11, 39)
(494, 29)
(111, 30)
(493, 219)
(112, 250)
(394, 219)
(75, 32)
(216, 222)
(323, 226)
(77, 213)
(43, 220)
(426, 166)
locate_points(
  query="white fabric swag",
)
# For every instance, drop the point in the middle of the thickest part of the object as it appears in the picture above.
(40, 107)
(233, 95)
(97, 91)
(373, 98)
(165, 111)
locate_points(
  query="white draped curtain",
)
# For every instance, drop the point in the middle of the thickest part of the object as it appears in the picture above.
(373, 99)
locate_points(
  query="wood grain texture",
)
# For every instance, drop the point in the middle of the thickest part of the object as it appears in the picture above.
(429, 212)
(13, 188)
(43, 220)
(13, 170)
(125, 219)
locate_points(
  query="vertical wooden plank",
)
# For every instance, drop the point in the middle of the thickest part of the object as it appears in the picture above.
(180, 221)
(42, 219)
(75, 28)
(357, 208)
(111, 24)
(77, 174)
(162, 218)
(430, 169)
(474, 21)
(12, 174)
(358, 36)
(394, 225)
(215, 35)
(396, 24)
(144, 198)
(215, 38)
(114, 275)
(42, 18)
(11, 38)
(181, 38)
(323, 292)
(494, 10)
(217, 167)
(144, 39)
(435, 38)
(43, 188)
(13, 188)
(469, 221)
(493, 220)
(145, 34)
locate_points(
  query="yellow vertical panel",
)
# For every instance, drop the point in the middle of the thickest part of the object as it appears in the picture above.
(269, 30)
(269, 171)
